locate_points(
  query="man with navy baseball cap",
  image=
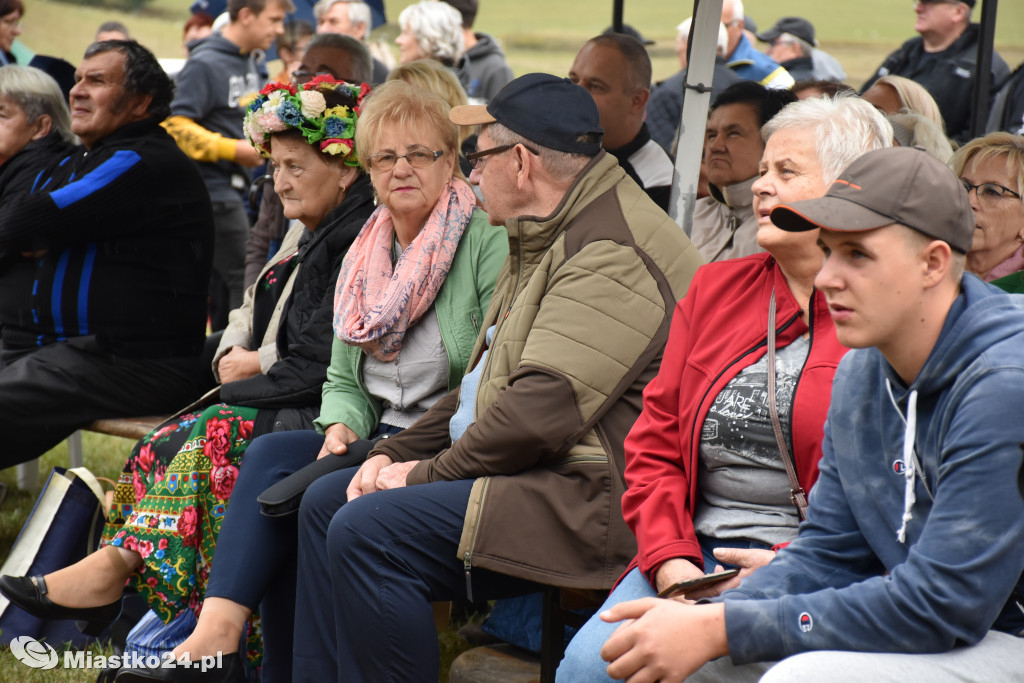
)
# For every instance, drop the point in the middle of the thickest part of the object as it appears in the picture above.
(514, 479)
(909, 566)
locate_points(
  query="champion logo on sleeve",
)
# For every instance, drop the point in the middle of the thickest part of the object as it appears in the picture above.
(806, 622)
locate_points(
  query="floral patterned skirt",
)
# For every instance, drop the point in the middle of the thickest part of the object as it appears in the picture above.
(170, 500)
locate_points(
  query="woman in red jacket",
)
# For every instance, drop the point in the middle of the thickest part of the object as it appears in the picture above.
(714, 466)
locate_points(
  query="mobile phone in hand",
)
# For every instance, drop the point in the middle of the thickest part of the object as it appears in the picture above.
(683, 587)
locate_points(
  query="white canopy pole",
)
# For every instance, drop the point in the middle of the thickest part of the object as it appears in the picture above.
(707, 14)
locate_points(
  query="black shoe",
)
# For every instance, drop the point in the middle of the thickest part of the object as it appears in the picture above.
(29, 593)
(231, 671)
(107, 675)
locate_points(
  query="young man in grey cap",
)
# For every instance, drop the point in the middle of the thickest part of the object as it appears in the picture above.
(515, 478)
(912, 544)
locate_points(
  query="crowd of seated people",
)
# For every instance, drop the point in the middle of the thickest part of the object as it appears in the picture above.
(486, 367)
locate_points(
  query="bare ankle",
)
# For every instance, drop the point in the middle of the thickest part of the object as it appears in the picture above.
(219, 629)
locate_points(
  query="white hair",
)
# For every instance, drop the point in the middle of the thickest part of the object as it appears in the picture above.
(358, 13)
(723, 36)
(437, 27)
(844, 127)
(737, 9)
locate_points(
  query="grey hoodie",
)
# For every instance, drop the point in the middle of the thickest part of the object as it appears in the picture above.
(213, 89)
(486, 71)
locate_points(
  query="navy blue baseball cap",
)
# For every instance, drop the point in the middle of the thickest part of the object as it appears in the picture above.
(545, 109)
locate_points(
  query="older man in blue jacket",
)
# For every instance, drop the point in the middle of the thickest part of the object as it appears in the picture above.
(909, 564)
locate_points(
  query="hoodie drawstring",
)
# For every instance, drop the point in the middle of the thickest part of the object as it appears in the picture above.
(909, 461)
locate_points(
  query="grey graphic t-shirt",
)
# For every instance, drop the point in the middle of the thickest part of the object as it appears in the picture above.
(743, 487)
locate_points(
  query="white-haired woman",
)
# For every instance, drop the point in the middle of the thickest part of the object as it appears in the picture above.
(430, 30)
(705, 469)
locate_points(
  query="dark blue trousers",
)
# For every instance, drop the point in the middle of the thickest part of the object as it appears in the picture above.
(368, 573)
(254, 563)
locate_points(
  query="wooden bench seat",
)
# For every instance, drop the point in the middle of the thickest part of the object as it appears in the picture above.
(126, 427)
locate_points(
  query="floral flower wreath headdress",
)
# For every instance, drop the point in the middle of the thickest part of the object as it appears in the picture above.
(281, 106)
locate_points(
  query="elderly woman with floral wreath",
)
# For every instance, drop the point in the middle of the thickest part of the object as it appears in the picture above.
(173, 492)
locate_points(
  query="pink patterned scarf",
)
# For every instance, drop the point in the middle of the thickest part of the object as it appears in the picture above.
(377, 302)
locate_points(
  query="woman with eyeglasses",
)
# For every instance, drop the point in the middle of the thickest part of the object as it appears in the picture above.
(408, 306)
(992, 171)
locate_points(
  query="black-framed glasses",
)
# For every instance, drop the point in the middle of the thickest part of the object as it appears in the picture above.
(475, 157)
(989, 194)
(417, 158)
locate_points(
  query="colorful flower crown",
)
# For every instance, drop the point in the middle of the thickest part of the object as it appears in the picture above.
(281, 106)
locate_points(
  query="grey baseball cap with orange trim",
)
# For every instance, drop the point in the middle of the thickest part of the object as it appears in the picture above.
(551, 111)
(901, 185)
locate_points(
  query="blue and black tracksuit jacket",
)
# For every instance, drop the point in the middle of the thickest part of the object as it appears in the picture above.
(116, 242)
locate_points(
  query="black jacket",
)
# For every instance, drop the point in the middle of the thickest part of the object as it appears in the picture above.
(289, 393)
(948, 76)
(1008, 107)
(801, 68)
(18, 174)
(120, 239)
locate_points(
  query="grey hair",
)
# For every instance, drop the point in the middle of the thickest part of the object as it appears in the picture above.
(37, 94)
(438, 30)
(806, 49)
(723, 36)
(561, 165)
(358, 13)
(844, 128)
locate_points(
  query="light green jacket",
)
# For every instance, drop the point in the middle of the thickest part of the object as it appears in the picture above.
(460, 306)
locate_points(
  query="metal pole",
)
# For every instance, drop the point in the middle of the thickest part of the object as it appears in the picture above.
(707, 14)
(983, 76)
(617, 15)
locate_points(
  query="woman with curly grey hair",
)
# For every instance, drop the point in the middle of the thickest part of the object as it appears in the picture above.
(431, 30)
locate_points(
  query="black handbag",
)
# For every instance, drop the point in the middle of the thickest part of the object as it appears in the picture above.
(283, 498)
